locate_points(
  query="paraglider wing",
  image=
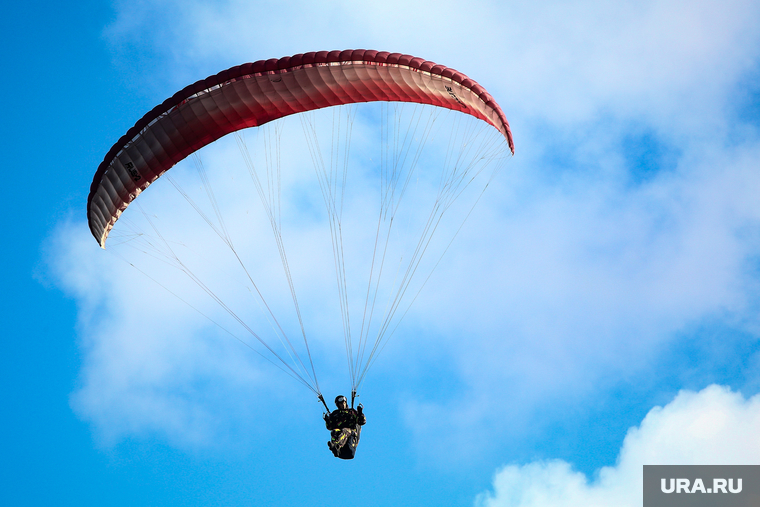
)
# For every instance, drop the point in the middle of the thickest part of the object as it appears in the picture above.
(253, 94)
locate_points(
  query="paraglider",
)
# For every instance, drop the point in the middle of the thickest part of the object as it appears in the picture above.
(345, 425)
(433, 158)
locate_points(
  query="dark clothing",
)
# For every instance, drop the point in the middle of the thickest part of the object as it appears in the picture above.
(344, 418)
(345, 430)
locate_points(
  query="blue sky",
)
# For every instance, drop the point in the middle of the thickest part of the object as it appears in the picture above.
(608, 321)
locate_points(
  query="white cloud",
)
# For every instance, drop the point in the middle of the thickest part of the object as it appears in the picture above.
(579, 289)
(712, 427)
(151, 365)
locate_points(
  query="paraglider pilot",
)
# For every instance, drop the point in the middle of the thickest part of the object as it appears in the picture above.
(345, 425)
